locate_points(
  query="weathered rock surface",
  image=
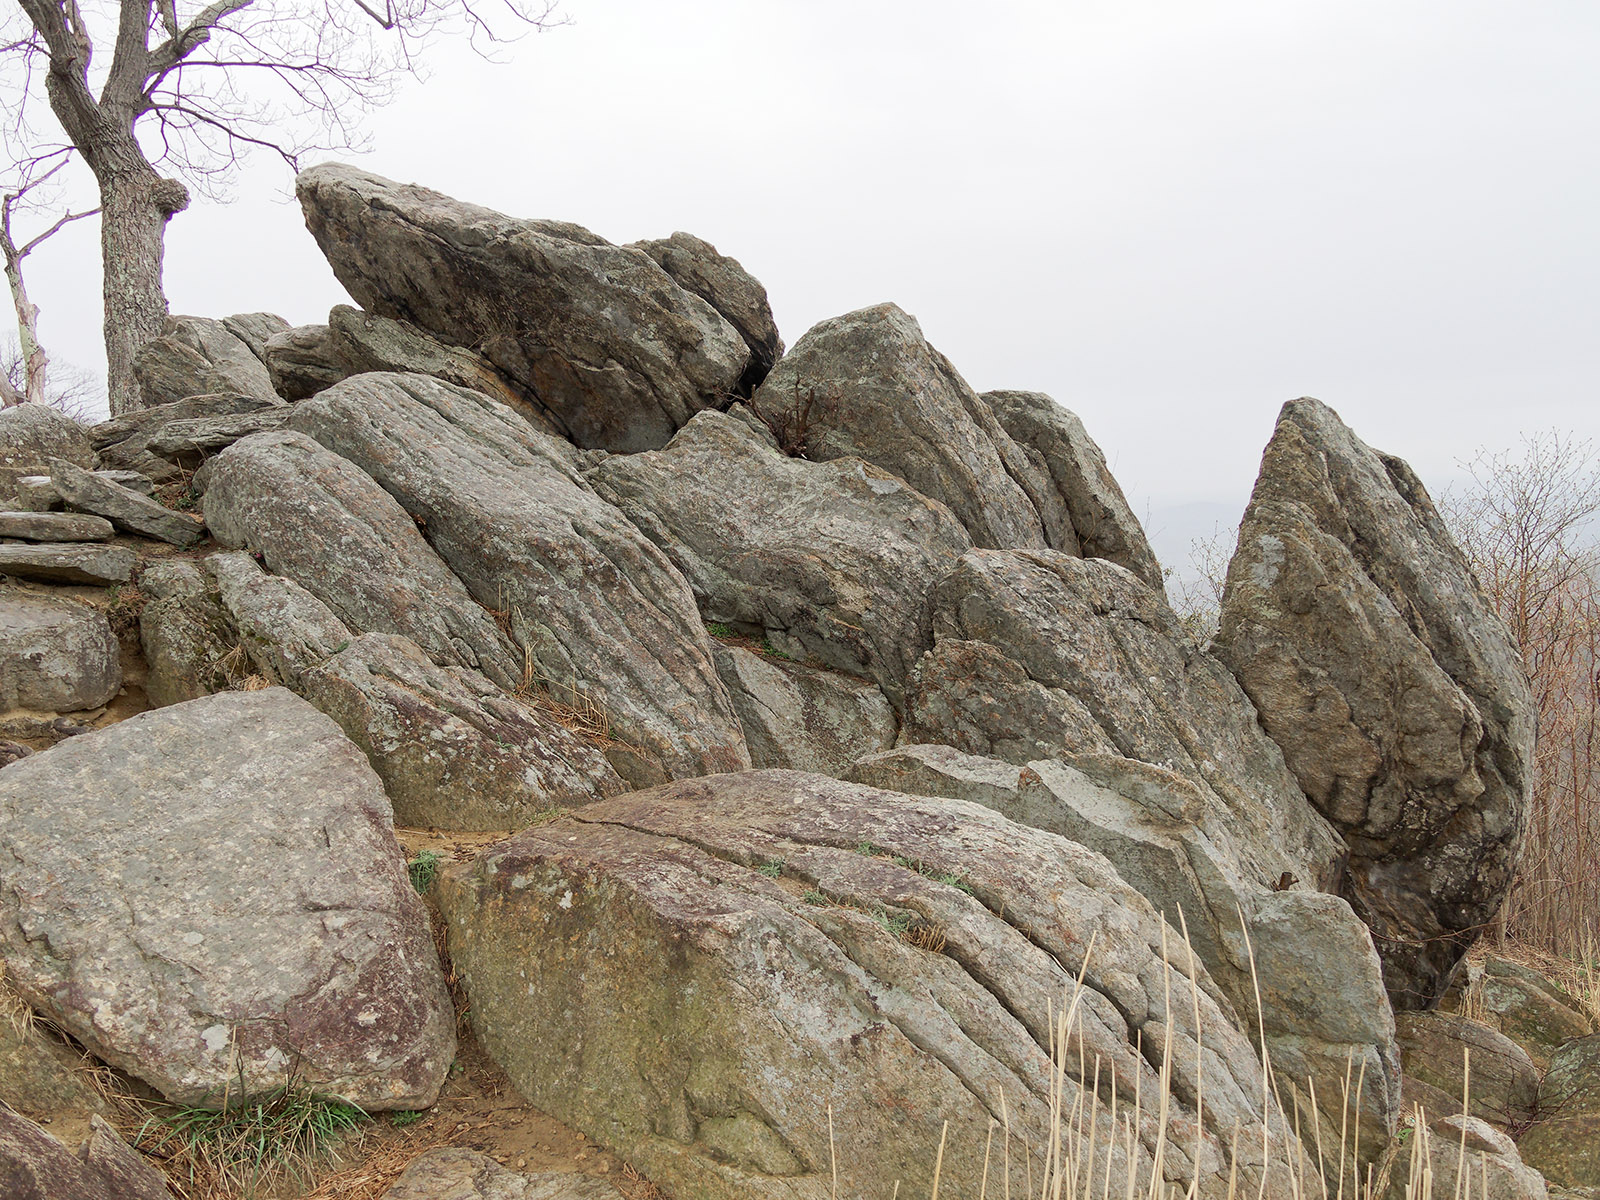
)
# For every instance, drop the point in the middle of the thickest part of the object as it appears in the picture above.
(189, 443)
(638, 977)
(802, 719)
(1323, 1007)
(125, 441)
(593, 605)
(36, 1166)
(453, 750)
(303, 361)
(320, 520)
(1377, 663)
(190, 645)
(56, 655)
(725, 285)
(1463, 1152)
(1529, 1009)
(253, 329)
(1102, 524)
(1565, 1142)
(368, 342)
(827, 559)
(196, 356)
(1504, 1084)
(67, 562)
(246, 907)
(123, 507)
(451, 1173)
(615, 351)
(33, 434)
(867, 385)
(55, 527)
(39, 1075)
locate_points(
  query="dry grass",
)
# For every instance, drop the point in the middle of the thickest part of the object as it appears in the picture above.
(374, 1174)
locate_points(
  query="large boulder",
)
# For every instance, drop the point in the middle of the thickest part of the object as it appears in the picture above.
(30, 436)
(1101, 522)
(867, 385)
(56, 655)
(197, 356)
(55, 527)
(833, 560)
(708, 976)
(616, 352)
(725, 285)
(598, 613)
(801, 718)
(1461, 1156)
(1465, 1059)
(303, 361)
(1307, 958)
(34, 1165)
(245, 913)
(320, 520)
(1529, 1008)
(1378, 664)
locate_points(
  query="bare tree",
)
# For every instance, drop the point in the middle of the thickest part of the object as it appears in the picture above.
(70, 389)
(1528, 525)
(1197, 594)
(192, 91)
(26, 194)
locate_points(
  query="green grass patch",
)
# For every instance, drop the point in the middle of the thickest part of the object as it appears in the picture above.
(718, 630)
(406, 1117)
(772, 868)
(424, 869)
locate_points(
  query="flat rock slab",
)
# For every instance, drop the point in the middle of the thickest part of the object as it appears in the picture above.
(55, 527)
(123, 507)
(124, 442)
(611, 346)
(1360, 633)
(68, 563)
(56, 655)
(246, 910)
(34, 1165)
(450, 1173)
(694, 974)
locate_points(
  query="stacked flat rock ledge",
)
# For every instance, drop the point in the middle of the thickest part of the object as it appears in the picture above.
(814, 738)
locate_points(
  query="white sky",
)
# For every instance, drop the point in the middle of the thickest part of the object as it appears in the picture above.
(1172, 215)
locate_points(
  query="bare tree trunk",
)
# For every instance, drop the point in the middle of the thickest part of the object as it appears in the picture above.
(34, 360)
(135, 208)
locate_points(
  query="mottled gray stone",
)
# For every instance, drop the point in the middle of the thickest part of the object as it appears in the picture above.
(617, 353)
(876, 390)
(30, 436)
(246, 907)
(1378, 664)
(34, 1165)
(1435, 1048)
(830, 559)
(56, 655)
(253, 329)
(67, 563)
(125, 441)
(302, 361)
(55, 527)
(196, 356)
(593, 606)
(123, 507)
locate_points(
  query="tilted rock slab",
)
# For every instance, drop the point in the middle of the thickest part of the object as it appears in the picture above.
(125, 441)
(828, 559)
(639, 978)
(595, 607)
(246, 907)
(35, 1165)
(867, 385)
(605, 341)
(1102, 525)
(55, 527)
(197, 356)
(56, 655)
(1323, 1010)
(1377, 663)
(68, 562)
(254, 329)
(320, 520)
(84, 491)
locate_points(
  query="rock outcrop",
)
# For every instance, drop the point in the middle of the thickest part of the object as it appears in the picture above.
(197, 356)
(125, 441)
(1377, 663)
(30, 436)
(246, 909)
(832, 560)
(1440, 1049)
(598, 613)
(702, 973)
(606, 342)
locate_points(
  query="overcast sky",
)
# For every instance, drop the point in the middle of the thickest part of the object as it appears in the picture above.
(1171, 215)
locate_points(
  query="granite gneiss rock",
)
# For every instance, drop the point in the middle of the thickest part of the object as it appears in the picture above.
(1360, 634)
(56, 655)
(608, 344)
(245, 912)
